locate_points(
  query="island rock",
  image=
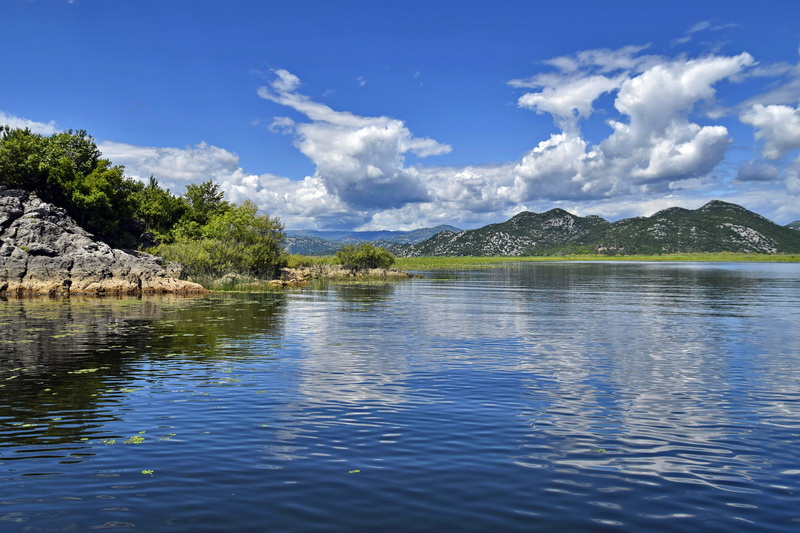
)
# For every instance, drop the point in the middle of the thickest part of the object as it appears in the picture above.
(43, 251)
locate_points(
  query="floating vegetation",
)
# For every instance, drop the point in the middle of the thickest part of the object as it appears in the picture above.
(136, 439)
(148, 472)
(84, 371)
(354, 472)
(109, 442)
(168, 436)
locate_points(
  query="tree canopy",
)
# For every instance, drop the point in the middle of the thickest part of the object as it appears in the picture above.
(66, 169)
(201, 230)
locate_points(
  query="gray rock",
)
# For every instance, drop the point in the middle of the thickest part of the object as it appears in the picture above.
(42, 250)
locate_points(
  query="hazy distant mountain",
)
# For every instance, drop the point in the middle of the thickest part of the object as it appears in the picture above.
(715, 227)
(794, 225)
(314, 242)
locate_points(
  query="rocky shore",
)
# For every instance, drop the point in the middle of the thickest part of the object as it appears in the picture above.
(43, 251)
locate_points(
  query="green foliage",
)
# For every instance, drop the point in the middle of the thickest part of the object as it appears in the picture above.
(235, 241)
(158, 209)
(208, 235)
(22, 155)
(66, 170)
(363, 256)
(205, 201)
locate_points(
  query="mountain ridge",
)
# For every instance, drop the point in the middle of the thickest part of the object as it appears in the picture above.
(715, 227)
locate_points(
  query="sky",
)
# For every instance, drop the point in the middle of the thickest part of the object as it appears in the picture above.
(376, 115)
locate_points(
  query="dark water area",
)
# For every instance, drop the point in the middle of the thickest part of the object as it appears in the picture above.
(542, 397)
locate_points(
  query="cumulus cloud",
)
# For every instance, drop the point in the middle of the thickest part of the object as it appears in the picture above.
(777, 125)
(177, 166)
(656, 147)
(42, 128)
(653, 148)
(568, 100)
(360, 160)
(304, 203)
(659, 152)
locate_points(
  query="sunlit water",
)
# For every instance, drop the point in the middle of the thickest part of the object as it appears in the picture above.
(545, 397)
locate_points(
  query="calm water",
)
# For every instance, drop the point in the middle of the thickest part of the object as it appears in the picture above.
(548, 397)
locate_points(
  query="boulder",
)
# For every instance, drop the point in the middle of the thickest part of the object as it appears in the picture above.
(43, 251)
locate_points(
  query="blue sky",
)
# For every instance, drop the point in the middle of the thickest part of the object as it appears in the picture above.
(372, 115)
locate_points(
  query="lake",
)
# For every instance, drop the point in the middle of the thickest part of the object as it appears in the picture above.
(538, 397)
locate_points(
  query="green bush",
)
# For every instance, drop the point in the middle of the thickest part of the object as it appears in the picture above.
(236, 241)
(357, 257)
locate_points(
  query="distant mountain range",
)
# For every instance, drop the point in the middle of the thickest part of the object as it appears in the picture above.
(715, 227)
(314, 242)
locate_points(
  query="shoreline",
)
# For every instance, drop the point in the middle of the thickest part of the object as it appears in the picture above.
(478, 262)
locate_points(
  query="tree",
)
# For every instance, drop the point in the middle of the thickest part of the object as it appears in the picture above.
(66, 170)
(205, 200)
(158, 208)
(22, 159)
(357, 257)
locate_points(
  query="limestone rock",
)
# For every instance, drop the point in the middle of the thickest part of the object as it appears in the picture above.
(42, 250)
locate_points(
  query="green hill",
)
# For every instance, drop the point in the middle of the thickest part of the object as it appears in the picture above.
(715, 227)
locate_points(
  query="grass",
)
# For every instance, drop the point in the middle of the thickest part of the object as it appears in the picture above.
(471, 262)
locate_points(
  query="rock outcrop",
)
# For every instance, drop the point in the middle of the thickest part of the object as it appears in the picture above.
(43, 251)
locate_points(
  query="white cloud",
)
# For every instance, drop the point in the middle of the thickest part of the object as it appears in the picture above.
(656, 155)
(173, 166)
(667, 92)
(360, 160)
(656, 149)
(299, 204)
(777, 125)
(41, 128)
(568, 100)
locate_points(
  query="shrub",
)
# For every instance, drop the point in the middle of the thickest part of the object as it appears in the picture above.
(237, 241)
(363, 256)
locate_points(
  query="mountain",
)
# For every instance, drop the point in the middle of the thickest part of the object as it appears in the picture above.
(794, 225)
(315, 242)
(525, 234)
(715, 227)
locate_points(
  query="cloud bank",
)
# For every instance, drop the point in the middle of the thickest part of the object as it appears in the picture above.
(668, 142)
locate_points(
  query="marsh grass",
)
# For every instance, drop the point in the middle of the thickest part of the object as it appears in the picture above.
(473, 262)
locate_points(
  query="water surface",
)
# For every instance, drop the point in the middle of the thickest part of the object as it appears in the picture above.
(541, 397)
